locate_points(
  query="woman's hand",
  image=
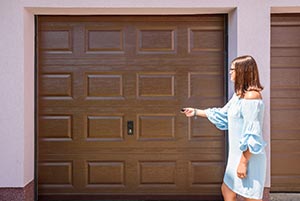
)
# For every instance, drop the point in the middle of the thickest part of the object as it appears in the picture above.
(243, 165)
(242, 170)
(189, 112)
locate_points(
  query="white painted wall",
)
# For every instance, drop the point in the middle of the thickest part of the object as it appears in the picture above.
(249, 33)
(12, 94)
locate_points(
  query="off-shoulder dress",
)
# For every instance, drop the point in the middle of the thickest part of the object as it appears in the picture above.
(243, 118)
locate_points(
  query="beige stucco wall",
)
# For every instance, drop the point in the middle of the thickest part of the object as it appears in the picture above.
(249, 33)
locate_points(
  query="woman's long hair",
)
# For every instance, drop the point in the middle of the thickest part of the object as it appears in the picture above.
(247, 77)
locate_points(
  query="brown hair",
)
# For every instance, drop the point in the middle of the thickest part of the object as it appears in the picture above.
(247, 77)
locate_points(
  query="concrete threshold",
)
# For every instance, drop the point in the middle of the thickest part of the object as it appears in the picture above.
(284, 196)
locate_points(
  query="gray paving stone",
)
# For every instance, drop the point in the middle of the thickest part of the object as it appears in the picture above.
(285, 197)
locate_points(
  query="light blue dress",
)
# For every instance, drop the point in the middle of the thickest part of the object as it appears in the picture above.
(243, 118)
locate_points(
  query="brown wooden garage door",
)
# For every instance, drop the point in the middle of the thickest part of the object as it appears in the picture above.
(110, 91)
(285, 103)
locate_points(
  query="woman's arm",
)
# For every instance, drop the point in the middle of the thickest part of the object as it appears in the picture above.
(217, 115)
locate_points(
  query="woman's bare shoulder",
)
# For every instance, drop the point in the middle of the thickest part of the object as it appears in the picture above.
(252, 95)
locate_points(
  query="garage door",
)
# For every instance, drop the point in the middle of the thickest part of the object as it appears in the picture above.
(285, 103)
(110, 89)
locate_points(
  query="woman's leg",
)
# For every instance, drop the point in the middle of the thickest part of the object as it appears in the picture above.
(227, 193)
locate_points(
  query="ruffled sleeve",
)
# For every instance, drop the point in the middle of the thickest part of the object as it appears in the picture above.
(219, 116)
(252, 111)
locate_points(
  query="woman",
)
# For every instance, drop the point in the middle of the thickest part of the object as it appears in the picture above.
(242, 116)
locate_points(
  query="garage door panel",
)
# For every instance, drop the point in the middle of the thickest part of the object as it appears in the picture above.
(285, 62)
(285, 120)
(286, 78)
(108, 173)
(285, 52)
(56, 173)
(282, 182)
(104, 39)
(78, 69)
(57, 40)
(157, 173)
(207, 39)
(207, 59)
(286, 93)
(203, 129)
(149, 85)
(104, 86)
(104, 128)
(111, 86)
(156, 40)
(151, 105)
(287, 147)
(285, 102)
(202, 154)
(289, 164)
(76, 147)
(104, 173)
(57, 127)
(156, 127)
(291, 31)
(99, 74)
(198, 170)
(57, 85)
(204, 80)
(284, 133)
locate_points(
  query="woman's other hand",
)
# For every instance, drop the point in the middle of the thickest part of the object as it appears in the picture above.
(242, 170)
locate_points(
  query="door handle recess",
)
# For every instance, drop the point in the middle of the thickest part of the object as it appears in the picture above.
(130, 127)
